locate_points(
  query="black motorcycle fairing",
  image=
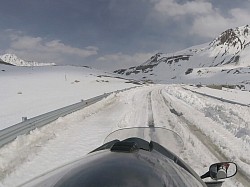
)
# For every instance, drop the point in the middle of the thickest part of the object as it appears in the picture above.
(139, 168)
(144, 145)
(109, 165)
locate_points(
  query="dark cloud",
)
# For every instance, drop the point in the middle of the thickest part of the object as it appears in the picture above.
(122, 30)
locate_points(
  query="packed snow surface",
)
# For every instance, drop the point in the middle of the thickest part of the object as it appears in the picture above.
(212, 130)
(31, 91)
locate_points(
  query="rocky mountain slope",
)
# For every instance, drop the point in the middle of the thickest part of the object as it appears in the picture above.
(14, 60)
(225, 60)
(5, 63)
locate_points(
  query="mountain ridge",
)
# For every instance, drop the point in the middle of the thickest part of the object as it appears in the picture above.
(214, 62)
(12, 59)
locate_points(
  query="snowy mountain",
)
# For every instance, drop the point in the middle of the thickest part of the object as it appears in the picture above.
(14, 60)
(5, 63)
(222, 61)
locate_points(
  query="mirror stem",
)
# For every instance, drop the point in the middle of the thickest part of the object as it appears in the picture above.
(205, 175)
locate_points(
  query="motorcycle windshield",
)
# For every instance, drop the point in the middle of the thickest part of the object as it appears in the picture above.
(165, 137)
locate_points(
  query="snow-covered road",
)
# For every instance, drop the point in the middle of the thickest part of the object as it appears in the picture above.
(211, 130)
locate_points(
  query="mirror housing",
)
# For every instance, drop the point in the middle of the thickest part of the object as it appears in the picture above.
(222, 170)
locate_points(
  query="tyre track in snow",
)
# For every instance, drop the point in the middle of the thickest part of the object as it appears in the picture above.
(137, 104)
(150, 110)
(140, 113)
(241, 176)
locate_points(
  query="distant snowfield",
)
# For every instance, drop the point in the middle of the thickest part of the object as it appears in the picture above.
(31, 91)
(201, 121)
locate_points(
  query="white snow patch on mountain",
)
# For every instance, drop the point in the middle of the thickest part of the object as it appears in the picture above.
(14, 60)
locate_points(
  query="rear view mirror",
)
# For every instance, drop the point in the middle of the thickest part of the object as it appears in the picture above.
(222, 170)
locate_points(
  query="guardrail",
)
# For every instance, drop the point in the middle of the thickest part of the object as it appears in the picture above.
(10, 133)
(218, 98)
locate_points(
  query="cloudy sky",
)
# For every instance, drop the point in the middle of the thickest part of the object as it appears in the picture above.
(112, 34)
